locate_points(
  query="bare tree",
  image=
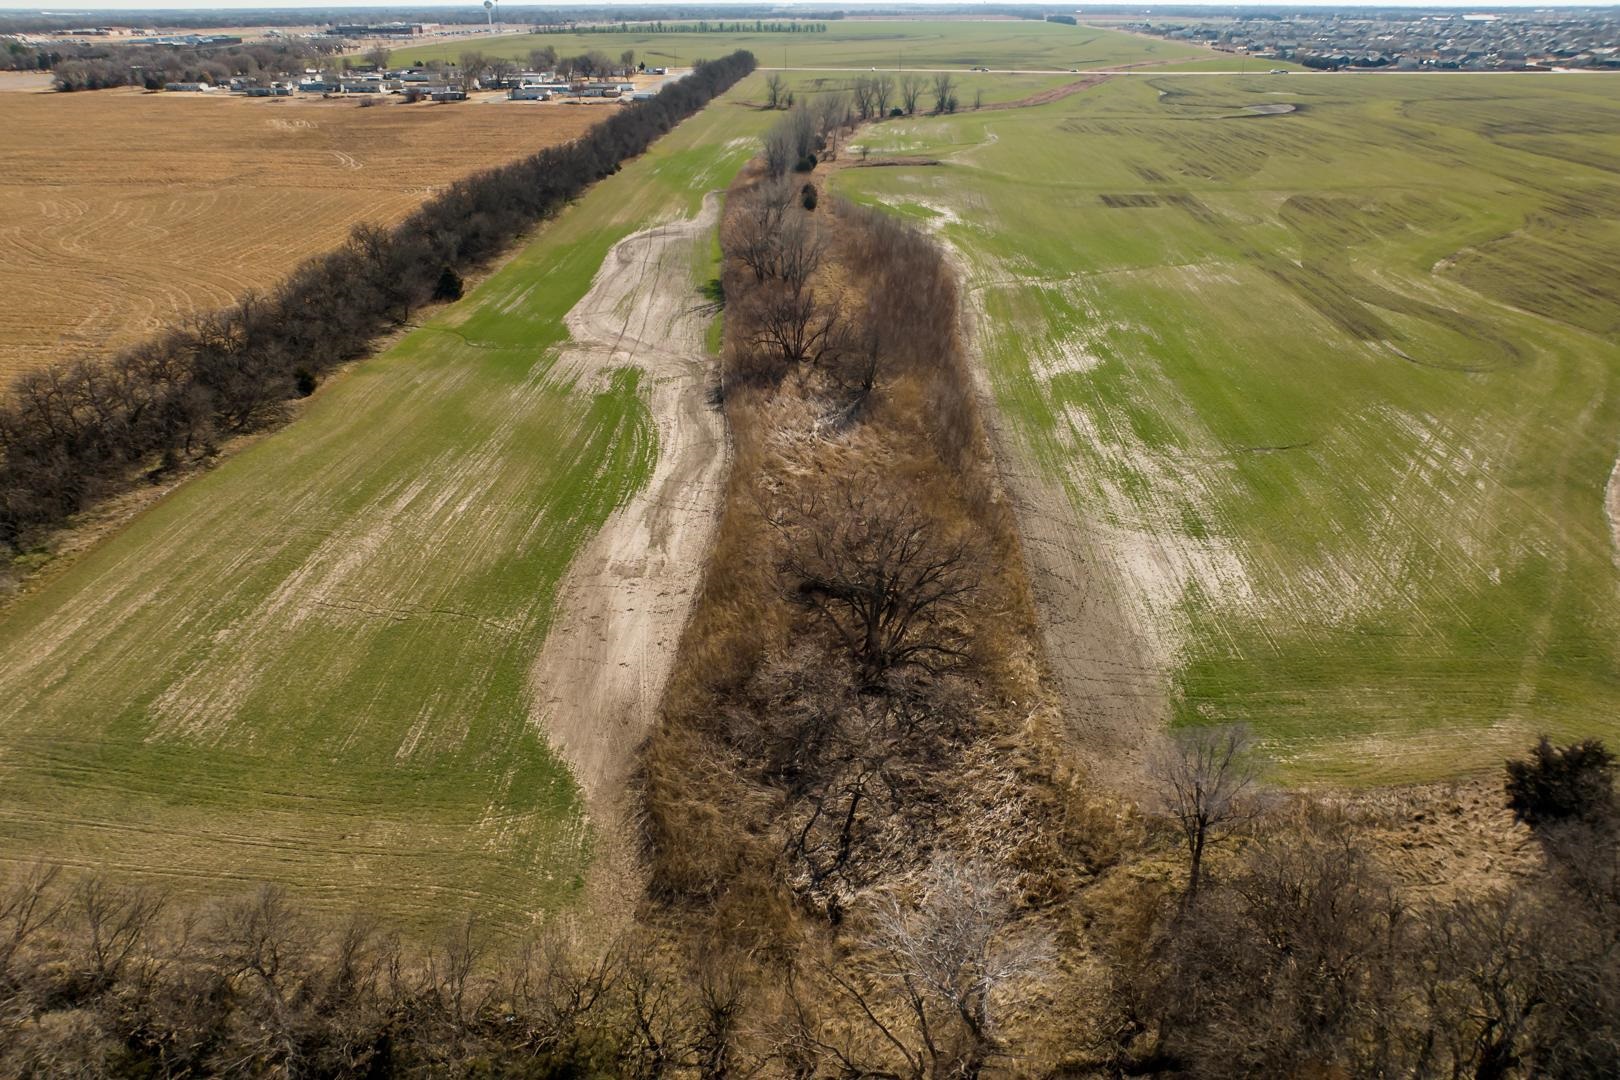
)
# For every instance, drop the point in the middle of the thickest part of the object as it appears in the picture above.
(753, 226)
(801, 127)
(911, 88)
(773, 91)
(881, 574)
(501, 69)
(627, 60)
(789, 141)
(377, 56)
(978, 99)
(1203, 779)
(882, 93)
(863, 96)
(798, 251)
(473, 67)
(115, 920)
(543, 59)
(777, 144)
(832, 115)
(26, 906)
(798, 326)
(944, 962)
(944, 93)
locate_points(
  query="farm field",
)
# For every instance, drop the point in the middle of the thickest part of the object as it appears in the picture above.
(121, 211)
(906, 43)
(313, 664)
(1311, 395)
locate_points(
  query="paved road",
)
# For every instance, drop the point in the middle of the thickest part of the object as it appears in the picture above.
(1256, 70)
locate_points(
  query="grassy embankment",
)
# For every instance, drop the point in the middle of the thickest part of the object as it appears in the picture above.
(1334, 389)
(309, 665)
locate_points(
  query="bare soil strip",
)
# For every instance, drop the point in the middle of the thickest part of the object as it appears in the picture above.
(602, 670)
(1611, 507)
(1046, 97)
(1115, 698)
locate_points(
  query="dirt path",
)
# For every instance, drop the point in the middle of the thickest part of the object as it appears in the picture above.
(1115, 698)
(598, 679)
(1611, 508)
(1046, 97)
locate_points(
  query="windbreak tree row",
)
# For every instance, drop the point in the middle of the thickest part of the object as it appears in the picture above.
(78, 431)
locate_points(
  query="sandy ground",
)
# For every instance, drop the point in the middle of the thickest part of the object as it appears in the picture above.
(25, 81)
(1115, 699)
(627, 596)
(1611, 508)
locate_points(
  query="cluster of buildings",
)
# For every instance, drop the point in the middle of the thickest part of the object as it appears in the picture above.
(1543, 39)
(427, 84)
(377, 30)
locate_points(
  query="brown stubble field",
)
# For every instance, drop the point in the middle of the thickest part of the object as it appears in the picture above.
(121, 210)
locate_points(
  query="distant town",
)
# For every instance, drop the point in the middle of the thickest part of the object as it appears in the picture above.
(1539, 40)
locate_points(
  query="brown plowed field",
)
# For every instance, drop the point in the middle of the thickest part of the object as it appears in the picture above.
(121, 210)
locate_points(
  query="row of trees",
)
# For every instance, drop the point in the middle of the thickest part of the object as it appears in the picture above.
(99, 67)
(100, 979)
(1303, 958)
(476, 66)
(703, 26)
(73, 432)
(872, 97)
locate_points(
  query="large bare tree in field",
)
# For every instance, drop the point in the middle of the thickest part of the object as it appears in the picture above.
(944, 93)
(1204, 780)
(882, 575)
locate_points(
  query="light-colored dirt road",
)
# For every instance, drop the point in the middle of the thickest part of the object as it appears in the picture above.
(602, 670)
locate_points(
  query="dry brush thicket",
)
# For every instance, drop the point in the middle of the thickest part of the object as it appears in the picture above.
(73, 433)
(853, 780)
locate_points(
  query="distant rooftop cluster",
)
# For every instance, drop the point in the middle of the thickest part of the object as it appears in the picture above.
(1545, 39)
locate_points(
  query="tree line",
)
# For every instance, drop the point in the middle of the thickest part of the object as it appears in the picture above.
(99, 67)
(702, 26)
(104, 979)
(72, 433)
(1302, 958)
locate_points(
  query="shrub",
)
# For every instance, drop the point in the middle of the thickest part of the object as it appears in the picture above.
(304, 381)
(806, 163)
(808, 196)
(1558, 783)
(449, 286)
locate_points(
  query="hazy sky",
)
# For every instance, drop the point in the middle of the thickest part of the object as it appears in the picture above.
(237, 5)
